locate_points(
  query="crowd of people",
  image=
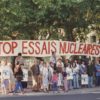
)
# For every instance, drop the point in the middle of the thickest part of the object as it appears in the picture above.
(54, 75)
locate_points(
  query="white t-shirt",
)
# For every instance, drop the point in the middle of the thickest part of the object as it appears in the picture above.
(53, 59)
(76, 69)
(60, 64)
(6, 72)
(25, 75)
(45, 71)
(20, 60)
(41, 68)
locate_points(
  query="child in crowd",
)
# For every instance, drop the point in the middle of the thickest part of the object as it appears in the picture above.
(54, 81)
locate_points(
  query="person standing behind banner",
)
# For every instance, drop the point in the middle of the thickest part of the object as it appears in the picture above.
(45, 73)
(84, 75)
(36, 74)
(50, 74)
(12, 78)
(53, 59)
(65, 81)
(60, 70)
(19, 59)
(2, 66)
(97, 71)
(41, 65)
(75, 76)
(25, 77)
(90, 72)
(6, 74)
(54, 82)
(19, 76)
(69, 72)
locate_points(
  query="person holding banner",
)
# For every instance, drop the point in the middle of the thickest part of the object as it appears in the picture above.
(19, 59)
(53, 59)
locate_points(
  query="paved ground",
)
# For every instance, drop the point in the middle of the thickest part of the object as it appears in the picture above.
(80, 94)
(56, 97)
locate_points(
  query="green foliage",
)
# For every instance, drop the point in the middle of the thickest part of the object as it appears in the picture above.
(32, 18)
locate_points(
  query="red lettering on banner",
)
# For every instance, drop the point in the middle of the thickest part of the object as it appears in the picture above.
(62, 47)
(0, 46)
(31, 45)
(97, 50)
(89, 48)
(67, 47)
(14, 45)
(72, 47)
(80, 50)
(93, 50)
(37, 51)
(49, 47)
(75, 50)
(24, 47)
(5, 49)
(53, 45)
(44, 48)
(84, 49)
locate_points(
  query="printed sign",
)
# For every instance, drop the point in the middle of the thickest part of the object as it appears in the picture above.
(44, 48)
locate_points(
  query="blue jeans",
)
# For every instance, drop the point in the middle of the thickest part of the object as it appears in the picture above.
(54, 86)
(97, 80)
(18, 86)
(76, 81)
(90, 81)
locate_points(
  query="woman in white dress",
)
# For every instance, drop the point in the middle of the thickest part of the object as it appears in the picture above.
(69, 72)
(60, 70)
(45, 77)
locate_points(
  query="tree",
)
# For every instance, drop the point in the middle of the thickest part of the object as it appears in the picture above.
(37, 19)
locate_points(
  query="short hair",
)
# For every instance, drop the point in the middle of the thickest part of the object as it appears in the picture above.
(19, 54)
(53, 52)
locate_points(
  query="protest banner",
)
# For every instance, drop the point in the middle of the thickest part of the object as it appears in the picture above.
(43, 48)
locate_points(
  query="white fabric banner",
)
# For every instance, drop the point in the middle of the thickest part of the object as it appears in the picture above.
(43, 48)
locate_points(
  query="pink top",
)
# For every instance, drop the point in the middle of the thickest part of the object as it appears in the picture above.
(54, 78)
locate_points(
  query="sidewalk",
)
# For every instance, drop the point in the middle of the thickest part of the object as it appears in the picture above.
(71, 92)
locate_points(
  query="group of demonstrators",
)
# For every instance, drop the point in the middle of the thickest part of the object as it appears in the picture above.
(58, 75)
(11, 78)
(54, 75)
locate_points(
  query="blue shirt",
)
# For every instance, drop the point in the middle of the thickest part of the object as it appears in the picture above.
(97, 66)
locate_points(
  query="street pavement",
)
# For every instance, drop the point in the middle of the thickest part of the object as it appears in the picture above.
(56, 97)
(79, 94)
